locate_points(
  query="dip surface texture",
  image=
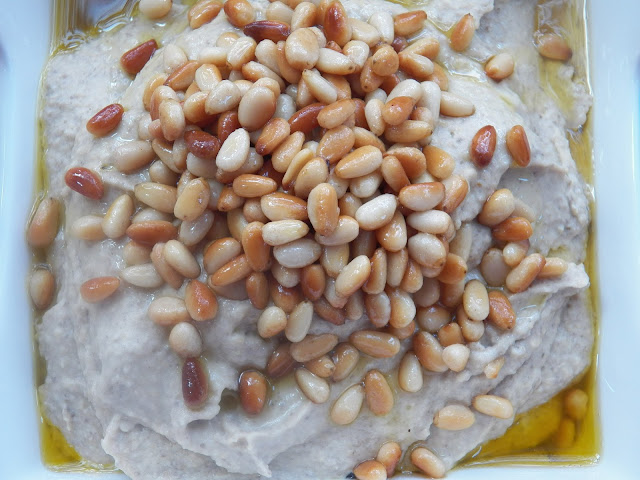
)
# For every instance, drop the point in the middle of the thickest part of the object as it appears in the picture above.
(113, 384)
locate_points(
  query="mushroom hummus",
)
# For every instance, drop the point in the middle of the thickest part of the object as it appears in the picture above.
(115, 379)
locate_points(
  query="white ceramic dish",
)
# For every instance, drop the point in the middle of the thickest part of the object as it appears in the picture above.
(615, 70)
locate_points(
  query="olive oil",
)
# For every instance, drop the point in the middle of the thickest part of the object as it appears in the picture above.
(530, 440)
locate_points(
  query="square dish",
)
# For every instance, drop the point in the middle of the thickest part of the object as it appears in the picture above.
(14, 242)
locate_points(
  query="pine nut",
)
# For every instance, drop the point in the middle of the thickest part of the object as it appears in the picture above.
(513, 229)
(134, 253)
(410, 373)
(267, 29)
(433, 318)
(185, 340)
(348, 405)
(377, 212)
(220, 252)
(498, 207)
(518, 145)
(155, 9)
(252, 389)
(287, 277)
(234, 151)
(553, 267)
(181, 259)
(135, 59)
(202, 12)
(271, 322)
(471, 331)
(483, 146)
(258, 290)
(335, 62)
(514, 252)
(282, 232)
(451, 294)
(450, 334)
(231, 272)
(98, 289)
(301, 49)
(501, 312)
(375, 344)
(389, 456)
(422, 196)
(565, 435)
(378, 393)
(346, 231)
(462, 33)
(360, 162)
(428, 250)
(576, 404)
(428, 462)
(168, 311)
(454, 417)
(393, 236)
(493, 406)
(456, 356)
(378, 277)
(406, 24)
(499, 66)
(162, 267)
(43, 227)
(429, 352)
(492, 370)
(42, 286)
(239, 12)
(273, 134)
(353, 276)
(84, 181)
(195, 387)
(493, 268)
(281, 206)
(358, 53)
(297, 254)
(201, 302)
(322, 208)
(475, 300)
(554, 47)
(335, 143)
(314, 388)
(455, 191)
(106, 120)
(336, 24)
(452, 105)
(313, 282)
(192, 232)
(87, 228)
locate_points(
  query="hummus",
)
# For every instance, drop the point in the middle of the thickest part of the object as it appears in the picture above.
(113, 385)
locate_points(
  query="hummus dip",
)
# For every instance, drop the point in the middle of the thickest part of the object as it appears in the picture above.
(113, 384)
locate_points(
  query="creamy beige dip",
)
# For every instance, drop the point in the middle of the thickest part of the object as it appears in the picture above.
(113, 385)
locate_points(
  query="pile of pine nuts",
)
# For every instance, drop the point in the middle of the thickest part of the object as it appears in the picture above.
(292, 164)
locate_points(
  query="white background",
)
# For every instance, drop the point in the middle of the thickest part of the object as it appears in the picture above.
(615, 54)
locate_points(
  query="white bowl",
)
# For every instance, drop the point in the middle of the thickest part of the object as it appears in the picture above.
(615, 69)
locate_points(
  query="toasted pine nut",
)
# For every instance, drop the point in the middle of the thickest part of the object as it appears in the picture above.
(84, 181)
(428, 462)
(518, 145)
(454, 417)
(273, 134)
(553, 267)
(422, 196)
(455, 191)
(280, 362)
(43, 227)
(231, 272)
(450, 334)
(462, 33)
(406, 24)
(133, 60)
(252, 389)
(493, 405)
(322, 208)
(336, 142)
(106, 120)
(257, 290)
(98, 289)
(220, 252)
(429, 352)
(200, 301)
(348, 405)
(483, 146)
(501, 312)
(313, 346)
(336, 24)
(376, 344)
(203, 12)
(239, 12)
(393, 236)
(42, 286)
